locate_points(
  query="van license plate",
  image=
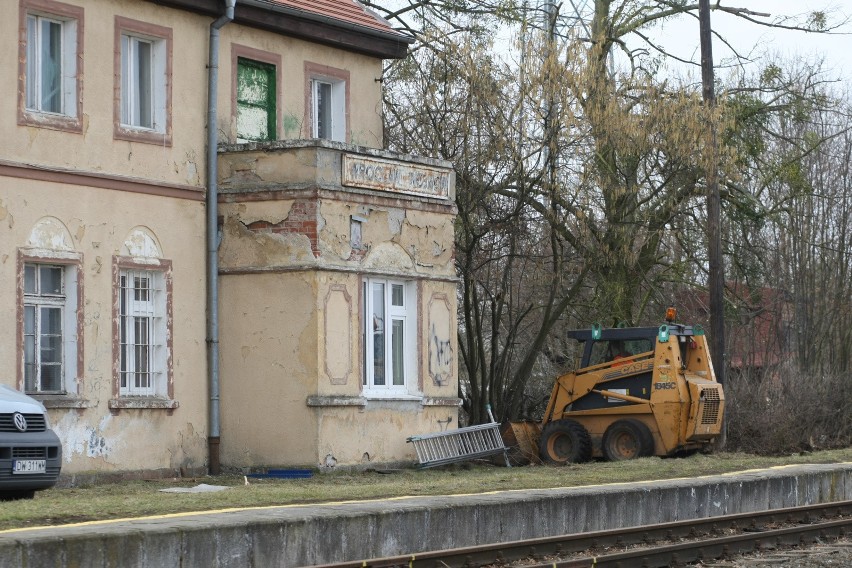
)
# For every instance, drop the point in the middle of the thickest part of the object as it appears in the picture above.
(29, 466)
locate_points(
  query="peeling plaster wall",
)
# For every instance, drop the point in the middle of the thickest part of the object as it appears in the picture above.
(285, 207)
(292, 280)
(95, 149)
(94, 223)
(257, 235)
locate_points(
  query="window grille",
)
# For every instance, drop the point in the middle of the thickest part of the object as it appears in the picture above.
(142, 332)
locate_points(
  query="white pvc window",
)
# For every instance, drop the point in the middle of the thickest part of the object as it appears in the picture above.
(142, 329)
(51, 67)
(143, 82)
(389, 347)
(50, 340)
(328, 101)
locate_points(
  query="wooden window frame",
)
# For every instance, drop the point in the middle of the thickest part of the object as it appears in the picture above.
(73, 309)
(244, 52)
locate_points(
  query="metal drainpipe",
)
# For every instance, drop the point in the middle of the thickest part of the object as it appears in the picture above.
(213, 235)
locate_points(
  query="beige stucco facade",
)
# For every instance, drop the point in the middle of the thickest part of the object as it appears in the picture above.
(293, 281)
(92, 227)
(109, 206)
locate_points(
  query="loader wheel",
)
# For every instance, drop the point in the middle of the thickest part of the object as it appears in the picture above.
(565, 441)
(627, 440)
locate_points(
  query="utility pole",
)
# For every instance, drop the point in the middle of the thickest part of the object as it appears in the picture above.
(716, 279)
(550, 124)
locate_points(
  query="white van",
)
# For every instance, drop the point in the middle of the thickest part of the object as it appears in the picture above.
(30, 452)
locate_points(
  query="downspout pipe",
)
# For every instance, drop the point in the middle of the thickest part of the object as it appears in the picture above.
(213, 236)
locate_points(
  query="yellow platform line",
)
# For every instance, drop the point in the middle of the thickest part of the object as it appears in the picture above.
(401, 498)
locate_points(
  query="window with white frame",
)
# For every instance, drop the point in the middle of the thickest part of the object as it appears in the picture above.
(390, 328)
(143, 82)
(328, 109)
(50, 328)
(143, 357)
(51, 65)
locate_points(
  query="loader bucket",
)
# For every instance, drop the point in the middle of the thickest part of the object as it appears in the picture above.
(522, 440)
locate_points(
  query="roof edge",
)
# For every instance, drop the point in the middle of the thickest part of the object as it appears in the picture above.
(304, 25)
(307, 15)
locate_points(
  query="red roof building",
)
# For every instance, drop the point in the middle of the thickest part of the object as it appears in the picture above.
(757, 327)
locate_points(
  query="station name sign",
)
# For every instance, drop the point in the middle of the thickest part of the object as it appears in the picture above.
(397, 177)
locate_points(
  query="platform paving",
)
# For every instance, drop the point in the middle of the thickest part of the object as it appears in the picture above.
(305, 535)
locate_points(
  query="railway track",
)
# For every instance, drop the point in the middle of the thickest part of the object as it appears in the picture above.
(667, 544)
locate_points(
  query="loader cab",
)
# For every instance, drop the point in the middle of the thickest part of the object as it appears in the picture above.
(611, 344)
(604, 345)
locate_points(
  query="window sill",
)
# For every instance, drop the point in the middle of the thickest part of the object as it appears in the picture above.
(362, 401)
(432, 401)
(336, 401)
(143, 135)
(62, 401)
(53, 121)
(378, 395)
(142, 403)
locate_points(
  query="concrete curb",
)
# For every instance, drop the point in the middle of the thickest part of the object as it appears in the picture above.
(303, 535)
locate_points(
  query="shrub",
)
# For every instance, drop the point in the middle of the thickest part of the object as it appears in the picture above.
(785, 411)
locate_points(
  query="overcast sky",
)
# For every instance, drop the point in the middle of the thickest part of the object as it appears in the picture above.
(681, 36)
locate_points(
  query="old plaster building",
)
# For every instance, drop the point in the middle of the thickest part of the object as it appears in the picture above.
(287, 300)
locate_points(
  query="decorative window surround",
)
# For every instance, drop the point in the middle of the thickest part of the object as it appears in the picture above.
(142, 334)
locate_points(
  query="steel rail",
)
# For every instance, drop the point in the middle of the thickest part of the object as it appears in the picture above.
(712, 548)
(556, 546)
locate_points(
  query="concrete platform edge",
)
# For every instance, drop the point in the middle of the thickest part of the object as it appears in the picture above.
(304, 535)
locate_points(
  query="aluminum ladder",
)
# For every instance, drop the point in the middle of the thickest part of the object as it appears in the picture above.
(461, 444)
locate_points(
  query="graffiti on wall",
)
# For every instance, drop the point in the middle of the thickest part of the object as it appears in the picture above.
(440, 345)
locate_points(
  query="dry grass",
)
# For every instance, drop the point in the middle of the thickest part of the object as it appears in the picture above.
(143, 498)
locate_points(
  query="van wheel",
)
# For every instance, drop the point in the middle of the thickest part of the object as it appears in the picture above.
(565, 441)
(627, 440)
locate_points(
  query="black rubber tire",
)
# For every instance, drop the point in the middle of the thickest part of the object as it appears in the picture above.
(565, 441)
(685, 453)
(17, 494)
(627, 440)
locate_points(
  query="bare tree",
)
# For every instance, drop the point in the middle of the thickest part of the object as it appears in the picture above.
(578, 183)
